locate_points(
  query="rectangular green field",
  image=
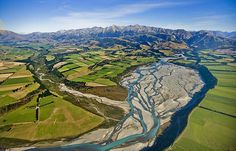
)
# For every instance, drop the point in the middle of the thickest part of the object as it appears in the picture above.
(55, 115)
(213, 127)
(207, 131)
(5, 100)
(98, 67)
(18, 81)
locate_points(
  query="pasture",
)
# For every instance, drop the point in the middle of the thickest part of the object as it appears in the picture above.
(13, 53)
(211, 126)
(57, 118)
(16, 82)
(98, 68)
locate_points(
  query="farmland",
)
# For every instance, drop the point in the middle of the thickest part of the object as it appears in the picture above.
(101, 85)
(212, 124)
(13, 53)
(16, 82)
(55, 115)
(99, 71)
(98, 68)
(21, 91)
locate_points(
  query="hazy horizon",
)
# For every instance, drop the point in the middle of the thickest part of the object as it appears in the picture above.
(115, 25)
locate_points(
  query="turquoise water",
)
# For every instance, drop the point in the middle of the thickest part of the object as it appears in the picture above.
(180, 118)
(144, 136)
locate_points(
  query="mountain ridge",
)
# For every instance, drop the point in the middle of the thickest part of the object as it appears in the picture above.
(202, 39)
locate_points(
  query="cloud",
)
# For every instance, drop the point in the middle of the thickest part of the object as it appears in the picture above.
(215, 21)
(109, 16)
(223, 22)
(120, 11)
(215, 16)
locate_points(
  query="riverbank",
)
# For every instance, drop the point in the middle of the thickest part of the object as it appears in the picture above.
(215, 130)
(180, 118)
(155, 93)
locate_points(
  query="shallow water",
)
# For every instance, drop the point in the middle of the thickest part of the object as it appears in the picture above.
(162, 141)
(180, 118)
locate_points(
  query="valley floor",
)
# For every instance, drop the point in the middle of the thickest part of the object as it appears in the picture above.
(155, 93)
(82, 86)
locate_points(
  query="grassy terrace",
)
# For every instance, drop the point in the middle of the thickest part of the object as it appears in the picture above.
(13, 53)
(212, 125)
(98, 68)
(58, 118)
(15, 82)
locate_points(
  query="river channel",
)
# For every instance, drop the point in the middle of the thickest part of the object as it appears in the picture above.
(148, 87)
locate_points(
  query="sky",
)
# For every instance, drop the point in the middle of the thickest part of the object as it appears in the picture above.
(26, 16)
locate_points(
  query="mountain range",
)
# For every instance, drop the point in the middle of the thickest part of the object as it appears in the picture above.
(129, 36)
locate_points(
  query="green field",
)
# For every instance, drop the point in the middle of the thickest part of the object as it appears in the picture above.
(14, 53)
(10, 69)
(58, 118)
(50, 57)
(18, 80)
(207, 131)
(212, 127)
(98, 68)
(17, 84)
(5, 100)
